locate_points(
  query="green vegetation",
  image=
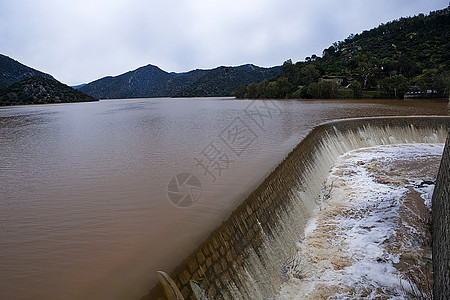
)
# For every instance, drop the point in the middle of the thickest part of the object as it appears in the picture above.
(222, 81)
(147, 81)
(40, 90)
(12, 71)
(150, 81)
(380, 63)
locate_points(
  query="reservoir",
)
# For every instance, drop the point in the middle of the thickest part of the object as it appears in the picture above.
(91, 195)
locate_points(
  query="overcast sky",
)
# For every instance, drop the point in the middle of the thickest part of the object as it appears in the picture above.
(78, 41)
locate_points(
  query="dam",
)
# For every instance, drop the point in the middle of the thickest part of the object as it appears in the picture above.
(84, 208)
(244, 256)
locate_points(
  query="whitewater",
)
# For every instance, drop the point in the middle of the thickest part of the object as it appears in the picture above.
(371, 235)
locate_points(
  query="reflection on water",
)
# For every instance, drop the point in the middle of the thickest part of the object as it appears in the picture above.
(84, 210)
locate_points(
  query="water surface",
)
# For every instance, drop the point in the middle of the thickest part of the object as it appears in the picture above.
(372, 238)
(84, 208)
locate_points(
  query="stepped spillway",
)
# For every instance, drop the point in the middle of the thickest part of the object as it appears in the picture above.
(243, 257)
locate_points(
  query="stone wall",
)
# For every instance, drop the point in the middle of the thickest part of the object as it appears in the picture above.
(441, 228)
(243, 257)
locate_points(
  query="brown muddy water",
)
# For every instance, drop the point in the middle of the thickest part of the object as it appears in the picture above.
(371, 238)
(85, 211)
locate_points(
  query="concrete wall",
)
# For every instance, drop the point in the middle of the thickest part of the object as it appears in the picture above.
(441, 228)
(243, 257)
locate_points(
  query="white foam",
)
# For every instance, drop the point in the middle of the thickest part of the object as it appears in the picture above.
(345, 253)
(426, 192)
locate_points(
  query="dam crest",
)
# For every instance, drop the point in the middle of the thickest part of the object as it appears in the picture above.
(244, 257)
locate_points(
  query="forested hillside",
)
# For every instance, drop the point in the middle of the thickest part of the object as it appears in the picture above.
(12, 71)
(40, 90)
(410, 54)
(223, 81)
(150, 81)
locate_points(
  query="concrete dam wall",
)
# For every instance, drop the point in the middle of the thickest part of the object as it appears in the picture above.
(441, 228)
(244, 257)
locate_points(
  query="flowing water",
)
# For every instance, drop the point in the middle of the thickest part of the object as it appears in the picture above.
(85, 211)
(372, 237)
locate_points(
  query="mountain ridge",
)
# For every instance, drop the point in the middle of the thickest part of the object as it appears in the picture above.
(223, 80)
(150, 81)
(12, 71)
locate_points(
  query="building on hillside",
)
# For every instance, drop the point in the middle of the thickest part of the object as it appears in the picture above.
(337, 80)
(414, 92)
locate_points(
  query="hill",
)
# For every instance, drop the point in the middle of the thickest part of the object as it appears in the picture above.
(40, 90)
(150, 81)
(147, 80)
(12, 71)
(78, 86)
(409, 54)
(223, 81)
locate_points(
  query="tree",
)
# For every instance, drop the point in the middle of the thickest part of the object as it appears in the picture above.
(444, 79)
(394, 86)
(262, 89)
(285, 87)
(252, 90)
(272, 90)
(288, 69)
(434, 81)
(329, 52)
(241, 91)
(298, 94)
(367, 68)
(356, 89)
(350, 37)
(323, 90)
(407, 67)
(308, 74)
